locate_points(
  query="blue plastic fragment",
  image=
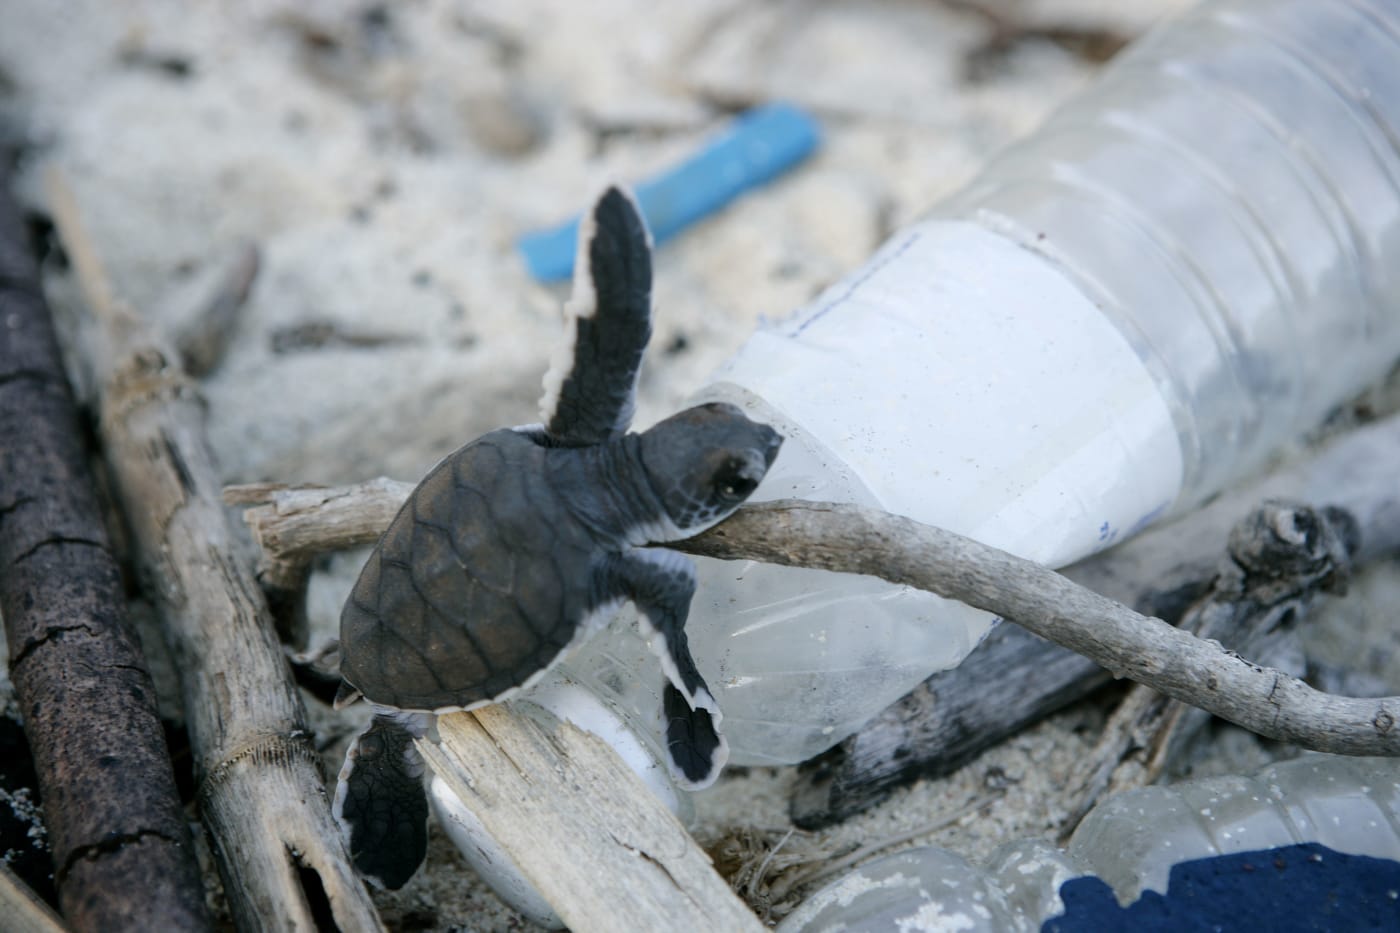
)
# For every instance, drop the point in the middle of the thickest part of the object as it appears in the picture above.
(1306, 887)
(757, 147)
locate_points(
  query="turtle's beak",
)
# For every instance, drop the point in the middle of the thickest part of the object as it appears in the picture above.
(772, 441)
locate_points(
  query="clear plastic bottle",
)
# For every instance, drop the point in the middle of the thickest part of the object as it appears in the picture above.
(1180, 272)
(1130, 841)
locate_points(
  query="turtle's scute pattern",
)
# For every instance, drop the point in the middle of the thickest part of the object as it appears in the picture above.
(465, 597)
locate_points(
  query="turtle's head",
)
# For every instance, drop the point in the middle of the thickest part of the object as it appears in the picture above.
(705, 461)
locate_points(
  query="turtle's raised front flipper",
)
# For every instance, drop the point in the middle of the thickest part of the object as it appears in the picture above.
(380, 802)
(662, 583)
(591, 386)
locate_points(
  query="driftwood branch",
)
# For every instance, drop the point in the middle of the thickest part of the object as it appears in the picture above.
(595, 843)
(123, 858)
(852, 539)
(1015, 678)
(260, 788)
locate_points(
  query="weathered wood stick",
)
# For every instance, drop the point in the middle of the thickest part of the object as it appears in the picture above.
(23, 910)
(852, 539)
(1015, 678)
(123, 857)
(592, 839)
(261, 792)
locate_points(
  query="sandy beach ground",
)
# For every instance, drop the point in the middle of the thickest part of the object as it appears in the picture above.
(384, 158)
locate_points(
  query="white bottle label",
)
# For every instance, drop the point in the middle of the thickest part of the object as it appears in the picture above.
(970, 385)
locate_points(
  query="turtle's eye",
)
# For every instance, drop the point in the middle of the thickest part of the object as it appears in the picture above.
(731, 485)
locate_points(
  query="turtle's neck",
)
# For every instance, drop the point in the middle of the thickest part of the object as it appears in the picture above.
(606, 487)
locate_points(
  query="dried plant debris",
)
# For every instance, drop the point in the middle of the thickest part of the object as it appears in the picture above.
(773, 869)
(759, 864)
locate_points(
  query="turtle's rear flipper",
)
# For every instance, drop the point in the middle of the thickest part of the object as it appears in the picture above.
(591, 386)
(380, 802)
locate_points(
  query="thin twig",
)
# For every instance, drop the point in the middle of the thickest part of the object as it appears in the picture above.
(1015, 678)
(851, 539)
(218, 299)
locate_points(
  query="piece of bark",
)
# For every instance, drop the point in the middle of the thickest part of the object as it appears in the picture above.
(1015, 678)
(123, 857)
(260, 788)
(23, 910)
(593, 840)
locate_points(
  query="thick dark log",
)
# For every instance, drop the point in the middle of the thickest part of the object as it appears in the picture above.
(123, 858)
(1015, 678)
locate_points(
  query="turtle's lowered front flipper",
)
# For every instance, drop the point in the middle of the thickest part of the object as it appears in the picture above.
(661, 583)
(694, 747)
(591, 386)
(380, 801)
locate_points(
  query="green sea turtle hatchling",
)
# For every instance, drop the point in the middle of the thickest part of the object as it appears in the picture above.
(521, 544)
